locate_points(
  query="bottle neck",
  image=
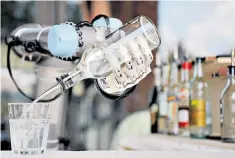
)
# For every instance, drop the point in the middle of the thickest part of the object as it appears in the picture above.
(165, 75)
(233, 79)
(157, 76)
(174, 73)
(182, 75)
(72, 77)
(186, 66)
(232, 74)
(185, 75)
(199, 68)
(195, 71)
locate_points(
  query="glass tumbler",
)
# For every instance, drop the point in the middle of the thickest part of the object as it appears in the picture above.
(29, 133)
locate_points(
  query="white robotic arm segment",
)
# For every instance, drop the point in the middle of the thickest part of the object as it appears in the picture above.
(65, 40)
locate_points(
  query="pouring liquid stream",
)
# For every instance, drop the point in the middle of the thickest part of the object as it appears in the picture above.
(78, 74)
(50, 91)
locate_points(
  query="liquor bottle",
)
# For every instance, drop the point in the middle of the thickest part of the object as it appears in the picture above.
(197, 107)
(183, 112)
(208, 128)
(154, 102)
(213, 113)
(162, 120)
(228, 105)
(172, 124)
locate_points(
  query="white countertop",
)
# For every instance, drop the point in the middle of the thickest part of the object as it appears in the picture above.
(155, 142)
(122, 154)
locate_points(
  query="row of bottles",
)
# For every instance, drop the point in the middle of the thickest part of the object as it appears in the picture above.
(183, 108)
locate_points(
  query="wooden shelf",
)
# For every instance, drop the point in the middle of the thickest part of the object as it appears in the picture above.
(164, 142)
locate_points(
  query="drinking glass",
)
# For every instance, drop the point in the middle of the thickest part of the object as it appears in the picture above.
(29, 133)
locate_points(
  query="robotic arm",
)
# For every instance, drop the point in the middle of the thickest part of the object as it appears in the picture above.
(66, 41)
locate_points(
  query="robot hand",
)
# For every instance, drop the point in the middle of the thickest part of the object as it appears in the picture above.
(104, 26)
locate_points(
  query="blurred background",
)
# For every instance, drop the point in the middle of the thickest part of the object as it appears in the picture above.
(195, 28)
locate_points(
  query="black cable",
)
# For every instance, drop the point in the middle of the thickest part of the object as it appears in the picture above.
(114, 97)
(106, 18)
(14, 42)
(84, 23)
(101, 16)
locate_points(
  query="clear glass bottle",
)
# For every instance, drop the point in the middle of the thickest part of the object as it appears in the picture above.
(120, 61)
(208, 129)
(183, 112)
(197, 108)
(172, 124)
(214, 94)
(154, 102)
(154, 109)
(228, 106)
(162, 120)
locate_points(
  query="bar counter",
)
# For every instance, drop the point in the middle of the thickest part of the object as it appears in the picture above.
(122, 154)
(157, 142)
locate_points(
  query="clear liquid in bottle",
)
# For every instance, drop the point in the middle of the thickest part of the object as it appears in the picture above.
(228, 105)
(197, 106)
